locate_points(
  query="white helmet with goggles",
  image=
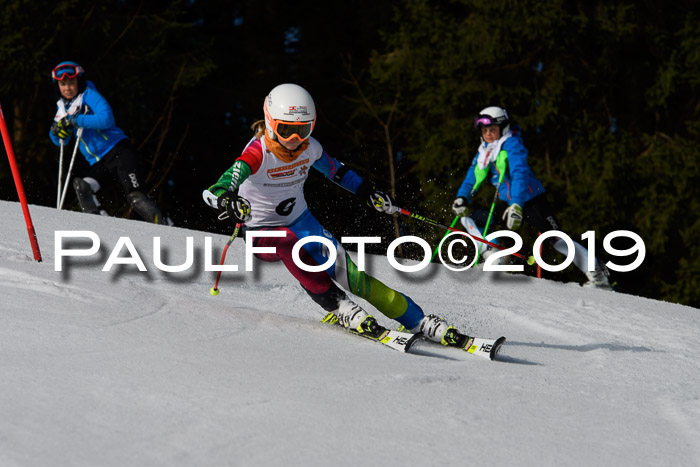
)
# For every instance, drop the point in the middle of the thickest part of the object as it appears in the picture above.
(290, 113)
(493, 116)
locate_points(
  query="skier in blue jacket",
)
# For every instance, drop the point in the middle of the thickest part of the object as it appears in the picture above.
(502, 158)
(103, 145)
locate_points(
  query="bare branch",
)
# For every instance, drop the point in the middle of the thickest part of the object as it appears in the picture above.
(385, 124)
(126, 28)
(171, 160)
(166, 108)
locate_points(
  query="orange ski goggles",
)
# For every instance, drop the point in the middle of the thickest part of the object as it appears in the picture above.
(286, 131)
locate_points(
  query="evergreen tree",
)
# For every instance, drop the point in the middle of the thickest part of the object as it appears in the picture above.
(606, 94)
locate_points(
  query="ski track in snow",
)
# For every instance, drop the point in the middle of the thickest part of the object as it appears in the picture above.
(132, 368)
(22, 283)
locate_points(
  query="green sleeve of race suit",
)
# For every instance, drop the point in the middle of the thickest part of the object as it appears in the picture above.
(480, 176)
(501, 166)
(231, 179)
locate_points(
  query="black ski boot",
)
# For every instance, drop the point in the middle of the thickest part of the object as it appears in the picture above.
(146, 208)
(85, 189)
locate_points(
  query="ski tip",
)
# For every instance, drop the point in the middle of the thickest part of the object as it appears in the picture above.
(496, 347)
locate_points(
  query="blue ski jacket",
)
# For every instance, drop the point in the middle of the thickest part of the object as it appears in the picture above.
(100, 133)
(519, 184)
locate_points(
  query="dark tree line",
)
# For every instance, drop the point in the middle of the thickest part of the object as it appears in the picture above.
(607, 94)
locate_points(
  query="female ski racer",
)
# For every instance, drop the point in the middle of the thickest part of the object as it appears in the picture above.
(103, 145)
(502, 154)
(265, 189)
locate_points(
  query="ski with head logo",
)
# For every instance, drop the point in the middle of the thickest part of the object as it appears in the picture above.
(483, 347)
(397, 340)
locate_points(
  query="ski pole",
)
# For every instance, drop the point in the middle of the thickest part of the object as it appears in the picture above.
(500, 166)
(215, 290)
(437, 248)
(60, 173)
(78, 135)
(539, 268)
(493, 205)
(530, 260)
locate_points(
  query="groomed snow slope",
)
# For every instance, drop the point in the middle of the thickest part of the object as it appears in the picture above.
(148, 369)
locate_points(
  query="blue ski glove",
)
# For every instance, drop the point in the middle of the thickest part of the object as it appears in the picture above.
(460, 206)
(513, 216)
(237, 207)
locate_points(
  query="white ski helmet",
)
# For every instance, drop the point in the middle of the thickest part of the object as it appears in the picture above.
(493, 116)
(289, 113)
